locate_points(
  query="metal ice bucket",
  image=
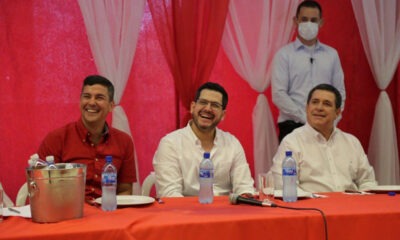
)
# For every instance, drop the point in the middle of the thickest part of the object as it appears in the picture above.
(56, 194)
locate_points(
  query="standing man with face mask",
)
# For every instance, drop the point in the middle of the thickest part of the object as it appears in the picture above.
(301, 65)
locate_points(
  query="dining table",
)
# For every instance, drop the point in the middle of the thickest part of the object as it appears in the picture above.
(334, 216)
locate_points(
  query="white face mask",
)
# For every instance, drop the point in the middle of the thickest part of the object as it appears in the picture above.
(308, 30)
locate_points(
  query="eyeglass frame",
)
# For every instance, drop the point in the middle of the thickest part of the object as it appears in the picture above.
(216, 106)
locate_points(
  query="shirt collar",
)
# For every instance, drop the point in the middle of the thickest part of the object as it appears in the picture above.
(317, 135)
(299, 45)
(85, 134)
(197, 140)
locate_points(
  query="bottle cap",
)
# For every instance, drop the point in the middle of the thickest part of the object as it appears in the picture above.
(206, 155)
(35, 156)
(50, 159)
(288, 153)
(108, 159)
(392, 193)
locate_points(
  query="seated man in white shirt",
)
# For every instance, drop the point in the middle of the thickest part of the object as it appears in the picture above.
(176, 161)
(328, 159)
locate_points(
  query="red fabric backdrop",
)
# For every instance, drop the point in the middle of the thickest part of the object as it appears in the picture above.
(45, 55)
(189, 32)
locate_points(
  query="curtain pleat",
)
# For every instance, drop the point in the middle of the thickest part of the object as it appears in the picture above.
(253, 33)
(379, 26)
(189, 32)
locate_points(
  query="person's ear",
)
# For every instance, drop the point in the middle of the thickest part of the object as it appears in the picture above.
(112, 106)
(295, 23)
(321, 22)
(338, 112)
(192, 105)
(223, 114)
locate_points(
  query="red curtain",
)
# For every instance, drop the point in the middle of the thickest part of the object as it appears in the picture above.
(396, 102)
(189, 32)
(44, 56)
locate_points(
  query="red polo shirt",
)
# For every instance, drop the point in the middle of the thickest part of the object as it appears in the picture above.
(71, 144)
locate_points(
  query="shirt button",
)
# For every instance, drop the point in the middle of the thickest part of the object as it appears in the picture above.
(96, 176)
(83, 140)
(92, 144)
(96, 159)
(92, 189)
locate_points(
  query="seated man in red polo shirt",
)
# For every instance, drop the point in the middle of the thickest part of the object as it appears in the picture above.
(90, 139)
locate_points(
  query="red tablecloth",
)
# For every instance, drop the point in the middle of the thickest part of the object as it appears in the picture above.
(348, 217)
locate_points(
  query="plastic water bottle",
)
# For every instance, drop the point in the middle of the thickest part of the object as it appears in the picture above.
(206, 179)
(50, 162)
(289, 175)
(109, 186)
(35, 161)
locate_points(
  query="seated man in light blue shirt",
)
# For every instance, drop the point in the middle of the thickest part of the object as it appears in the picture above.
(176, 161)
(301, 65)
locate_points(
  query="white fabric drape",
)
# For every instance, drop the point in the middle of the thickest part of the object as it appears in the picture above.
(379, 25)
(113, 28)
(6, 200)
(254, 31)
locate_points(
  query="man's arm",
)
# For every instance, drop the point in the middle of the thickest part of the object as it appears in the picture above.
(169, 179)
(242, 182)
(51, 145)
(127, 172)
(338, 83)
(365, 176)
(288, 144)
(280, 87)
(276, 168)
(124, 188)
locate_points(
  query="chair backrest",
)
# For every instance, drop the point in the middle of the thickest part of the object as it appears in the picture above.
(22, 195)
(148, 183)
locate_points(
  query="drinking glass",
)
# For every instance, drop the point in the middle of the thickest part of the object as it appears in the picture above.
(266, 186)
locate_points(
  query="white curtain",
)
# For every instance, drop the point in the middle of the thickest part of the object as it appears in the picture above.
(6, 200)
(113, 28)
(379, 25)
(254, 31)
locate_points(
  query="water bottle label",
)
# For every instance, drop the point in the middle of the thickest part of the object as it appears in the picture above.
(289, 172)
(109, 178)
(206, 173)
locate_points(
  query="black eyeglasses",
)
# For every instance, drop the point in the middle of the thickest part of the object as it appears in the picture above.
(214, 105)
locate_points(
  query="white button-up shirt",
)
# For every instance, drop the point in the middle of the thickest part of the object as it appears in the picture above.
(177, 159)
(332, 165)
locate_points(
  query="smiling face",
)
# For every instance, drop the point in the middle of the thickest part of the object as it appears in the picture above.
(322, 111)
(207, 111)
(95, 105)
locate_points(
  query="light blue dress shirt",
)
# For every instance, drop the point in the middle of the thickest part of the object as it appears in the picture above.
(296, 70)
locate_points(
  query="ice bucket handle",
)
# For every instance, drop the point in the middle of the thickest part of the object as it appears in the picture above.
(33, 188)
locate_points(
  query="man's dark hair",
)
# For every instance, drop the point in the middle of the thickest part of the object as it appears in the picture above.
(97, 79)
(215, 87)
(309, 4)
(329, 88)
